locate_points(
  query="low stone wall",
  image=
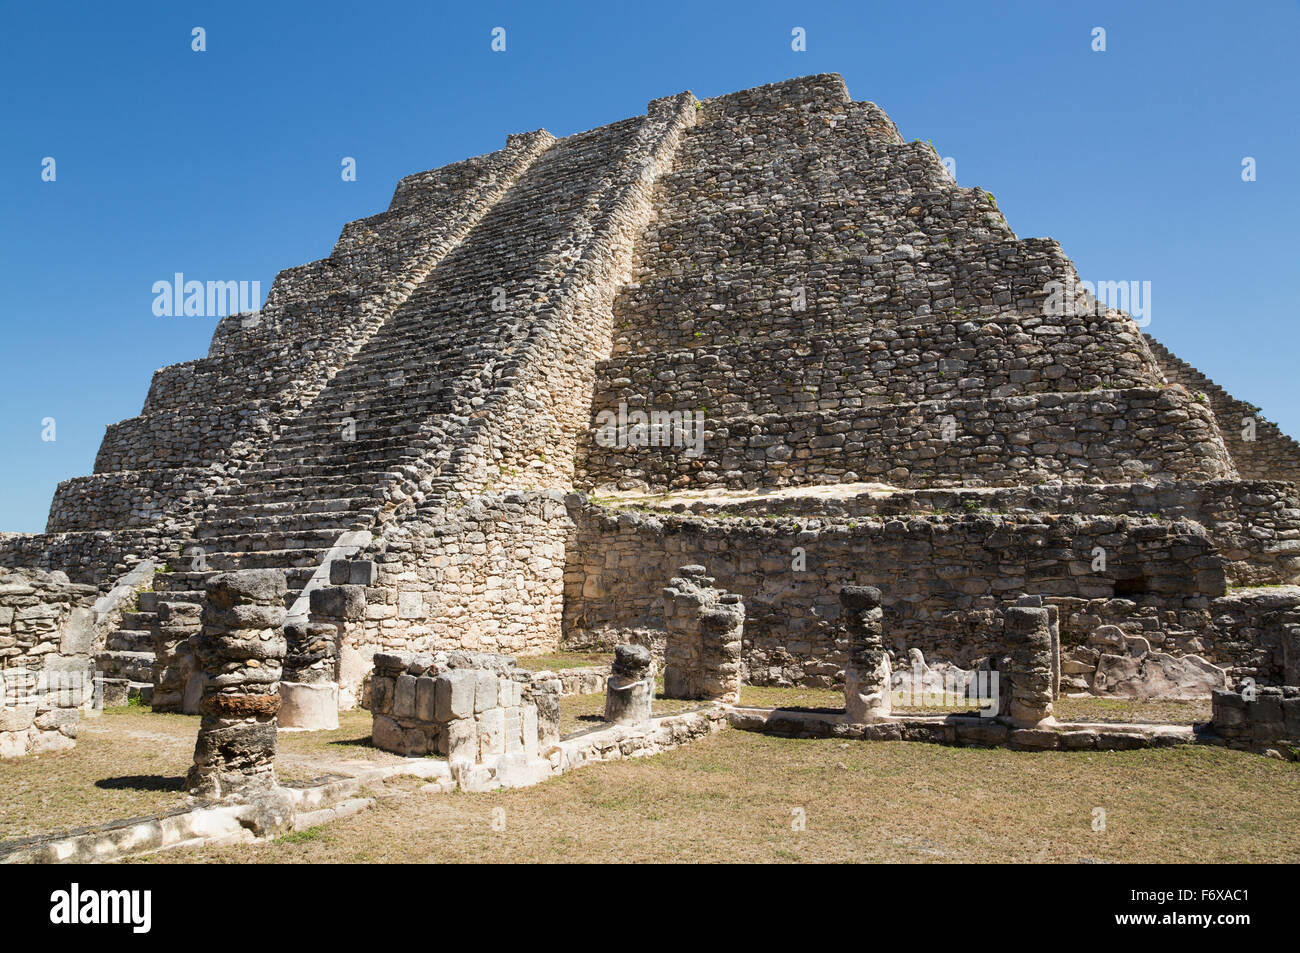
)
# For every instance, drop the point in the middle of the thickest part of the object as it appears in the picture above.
(1261, 719)
(47, 634)
(468, 707)
(963, 731)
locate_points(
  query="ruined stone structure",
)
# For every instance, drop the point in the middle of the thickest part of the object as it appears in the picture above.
(703, 645)
(469, 707)
(630, 689)
(867, 676)
(444, 436)
(46, 673)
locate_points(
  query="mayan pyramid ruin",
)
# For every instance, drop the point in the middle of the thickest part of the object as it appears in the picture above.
(760, 334)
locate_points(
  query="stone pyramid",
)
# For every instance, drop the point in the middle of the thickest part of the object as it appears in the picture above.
(762, 333)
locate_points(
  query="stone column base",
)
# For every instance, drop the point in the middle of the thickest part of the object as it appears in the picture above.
(628, 702)
(305, 707)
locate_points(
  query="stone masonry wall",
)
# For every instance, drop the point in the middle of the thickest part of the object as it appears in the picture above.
(46, 674)
(1271, 455)
(1130, 435)
(484, 574)
(1254, 524)
(943, 578)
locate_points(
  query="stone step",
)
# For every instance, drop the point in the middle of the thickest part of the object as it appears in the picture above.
(130, 640)
(303, 559)
(257, 520)
(263, 542)
(136, 666)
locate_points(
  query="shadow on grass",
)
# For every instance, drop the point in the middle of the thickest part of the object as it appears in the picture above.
(142, 782)
(366, 742)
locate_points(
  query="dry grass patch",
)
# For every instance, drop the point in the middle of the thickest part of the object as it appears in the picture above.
(131, 762)
(554, 661)
(1160, 711)
(730, 797)
(127, 762)
(584, 712)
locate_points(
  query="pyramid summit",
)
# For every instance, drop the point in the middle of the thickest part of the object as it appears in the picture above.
(762, 333)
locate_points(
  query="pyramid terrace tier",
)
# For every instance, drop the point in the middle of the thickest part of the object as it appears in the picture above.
(880, 362)
(1100, 436)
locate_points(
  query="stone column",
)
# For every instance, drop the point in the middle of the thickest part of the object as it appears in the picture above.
(705, 632)
(309, 694)
(1028, 636)
(241, 648)
(630, 690)
(1054, 629)
(174, 661)
(866, 677)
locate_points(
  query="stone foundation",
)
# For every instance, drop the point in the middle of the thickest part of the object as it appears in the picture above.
(423, 706)
(1259, 719)
(703, 647)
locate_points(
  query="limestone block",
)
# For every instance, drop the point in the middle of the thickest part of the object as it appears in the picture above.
(454, 694)
(461, 740)
(309, 706)
(487, 687)
(514, 739)
(491, 733)
(404, 696)
(425, 698)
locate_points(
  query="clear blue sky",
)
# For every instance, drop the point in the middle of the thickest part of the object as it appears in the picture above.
(225, 164)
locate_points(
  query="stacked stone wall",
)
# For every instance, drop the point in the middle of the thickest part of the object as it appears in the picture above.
(465, 708)
(46, 675)
(1254, 524)
(1270, 455)
(943, 578)
(1106, 436)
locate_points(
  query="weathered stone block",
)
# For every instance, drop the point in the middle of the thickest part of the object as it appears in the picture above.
(404, 696)
(454, 695)
(487, 686)
(491, 733)
(426, 698)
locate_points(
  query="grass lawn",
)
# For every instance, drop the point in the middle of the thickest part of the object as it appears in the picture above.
(728, 797)
(130, 762)
(582, 712)
(554, 661)
(732, 797)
